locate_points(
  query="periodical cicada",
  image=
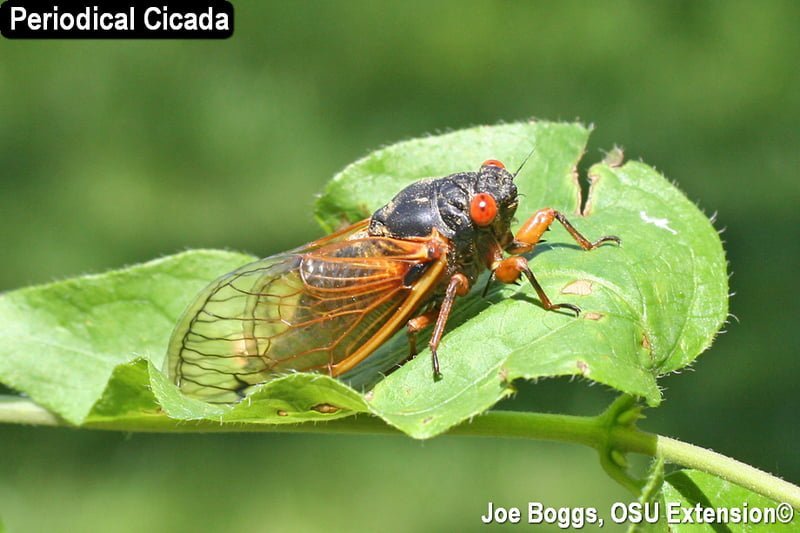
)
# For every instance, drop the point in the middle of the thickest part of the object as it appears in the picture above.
(326, 306)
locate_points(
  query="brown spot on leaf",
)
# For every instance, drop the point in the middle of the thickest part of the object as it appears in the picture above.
(646, 342)
(581, 287)
(591, 315)
(281, 412)
(427, 420)
(326, 408)
(503, 374)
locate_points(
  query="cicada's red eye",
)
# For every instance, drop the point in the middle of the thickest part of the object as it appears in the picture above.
(483, 209)
(493, 163)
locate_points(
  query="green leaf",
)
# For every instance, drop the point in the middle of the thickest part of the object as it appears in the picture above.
(690, 489)
(60, 343)
(652, 498)
(671, 497)
(91, 348)
(126, 394)
(286, 400)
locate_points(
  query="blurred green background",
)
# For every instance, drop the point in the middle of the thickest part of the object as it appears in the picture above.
(113, 153)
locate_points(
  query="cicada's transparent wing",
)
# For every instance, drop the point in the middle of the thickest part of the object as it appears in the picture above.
(213, 350)
(300, 311)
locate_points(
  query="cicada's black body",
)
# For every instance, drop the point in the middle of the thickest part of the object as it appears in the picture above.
(443, 204)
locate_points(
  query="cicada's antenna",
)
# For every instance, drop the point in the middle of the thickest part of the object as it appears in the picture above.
(525, 161)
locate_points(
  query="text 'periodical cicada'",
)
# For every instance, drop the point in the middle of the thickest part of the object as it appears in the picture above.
(326, 306)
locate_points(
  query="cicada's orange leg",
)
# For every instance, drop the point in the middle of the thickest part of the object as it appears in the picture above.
(413, 327)
(417, 324)
(510, 269)
(531, 231)
(458, 286)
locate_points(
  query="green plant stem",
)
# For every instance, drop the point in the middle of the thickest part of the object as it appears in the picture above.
(689, 455)
(594, 431)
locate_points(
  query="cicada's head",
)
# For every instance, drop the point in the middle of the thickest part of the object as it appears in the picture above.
(471, 209)
(494, 200)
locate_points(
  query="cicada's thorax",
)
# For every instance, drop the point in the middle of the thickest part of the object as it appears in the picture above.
(443, 204)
